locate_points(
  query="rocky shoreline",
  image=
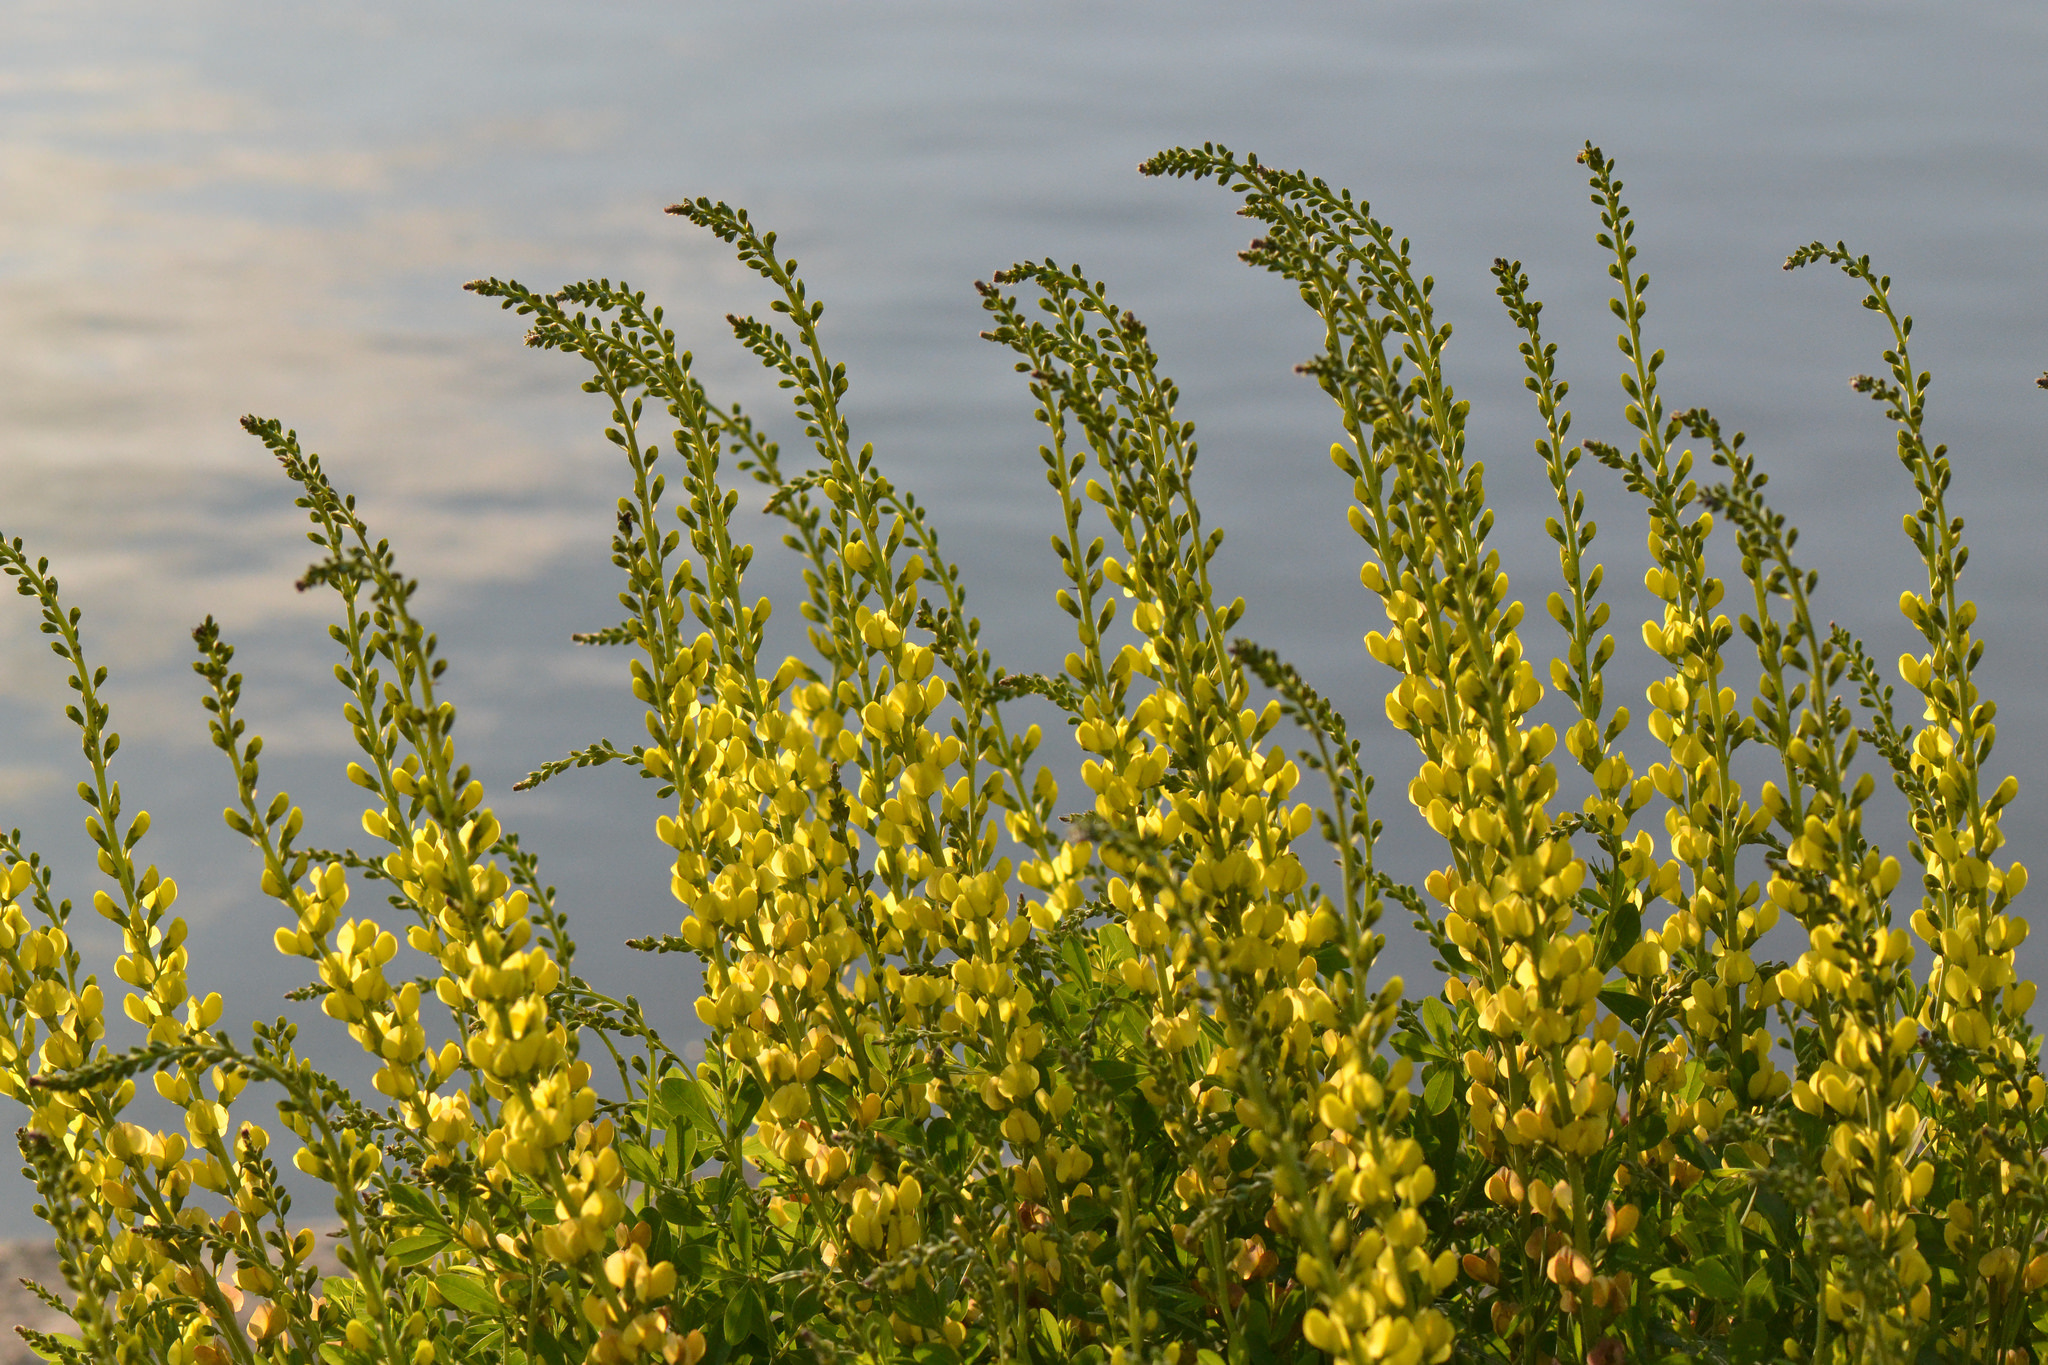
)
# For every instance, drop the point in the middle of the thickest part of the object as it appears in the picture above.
(30, 1260)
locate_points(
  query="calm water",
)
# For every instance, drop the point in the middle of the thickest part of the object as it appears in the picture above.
(271, 208)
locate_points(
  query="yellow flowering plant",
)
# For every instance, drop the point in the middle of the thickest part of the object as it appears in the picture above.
(988, 1072)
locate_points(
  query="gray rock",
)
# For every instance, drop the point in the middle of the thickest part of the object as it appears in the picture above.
(32, 1260)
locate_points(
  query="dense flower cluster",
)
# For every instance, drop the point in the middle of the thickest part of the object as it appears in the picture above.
(987, 1070)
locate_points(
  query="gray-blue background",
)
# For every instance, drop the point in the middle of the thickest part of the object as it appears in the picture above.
(232, 207)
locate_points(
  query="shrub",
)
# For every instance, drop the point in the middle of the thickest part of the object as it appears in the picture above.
(988, 1079)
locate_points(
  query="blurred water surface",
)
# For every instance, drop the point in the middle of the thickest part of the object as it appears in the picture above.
(220, 208)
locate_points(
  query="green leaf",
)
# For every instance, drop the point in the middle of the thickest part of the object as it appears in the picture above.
(900, 1130)
(1759, 1289)
(745, 1104)
(945, 1141)
(741, 1221)
(1116, 1072)
(412, 1250)
(679, 1151)
(1075, 953)
(1708, 1277)
(1751, 1339)
(744, 1316)
(345, 1293)
(1437, 1019)
(1632, 1009)
(675, 1208)
(467, 1292)
(414, 1201)
(550, 1348)
(1438, 1091)
(683, 1100)
(920, 1306)
(1620, 930)
(640, 1163)
(60, 1338)
(1439, 1134)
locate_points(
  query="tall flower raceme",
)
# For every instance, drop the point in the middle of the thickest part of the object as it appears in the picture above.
(989, 1073)
(866, 961)
(137, 1243)
(1539, 1090)
(1986, 1091)
(836, 841)
(1694, 1032)
(1198, 841)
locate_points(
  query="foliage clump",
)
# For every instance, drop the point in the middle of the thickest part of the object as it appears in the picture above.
(986, 1077)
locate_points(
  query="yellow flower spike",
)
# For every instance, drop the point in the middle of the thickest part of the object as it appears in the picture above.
(865, 953)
